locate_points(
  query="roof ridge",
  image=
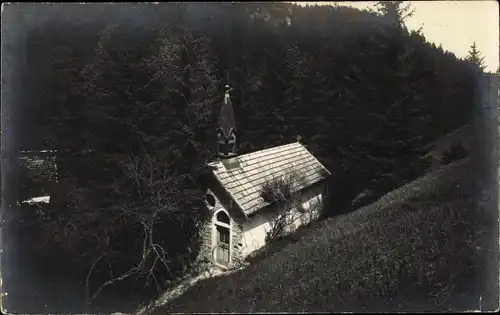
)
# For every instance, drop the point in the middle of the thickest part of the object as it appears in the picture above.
(271, 148)
(260, 151)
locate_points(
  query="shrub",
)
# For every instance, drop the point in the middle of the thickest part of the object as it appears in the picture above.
(454, 153)
(282, 191)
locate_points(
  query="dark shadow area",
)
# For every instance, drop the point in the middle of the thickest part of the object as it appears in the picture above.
(52, 280)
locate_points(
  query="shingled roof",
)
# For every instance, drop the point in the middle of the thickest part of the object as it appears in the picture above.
(244, 182)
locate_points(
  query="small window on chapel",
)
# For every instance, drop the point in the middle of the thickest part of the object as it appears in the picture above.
(222, 217)
(210, 200)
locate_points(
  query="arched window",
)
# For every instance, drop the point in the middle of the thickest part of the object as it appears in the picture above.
(222, 217)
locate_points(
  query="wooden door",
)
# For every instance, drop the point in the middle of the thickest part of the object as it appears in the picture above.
(222, 245)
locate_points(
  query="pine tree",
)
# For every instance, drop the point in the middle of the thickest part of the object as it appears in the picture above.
(475, 57)
(395, 11)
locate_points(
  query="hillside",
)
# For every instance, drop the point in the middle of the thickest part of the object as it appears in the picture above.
(415, 248)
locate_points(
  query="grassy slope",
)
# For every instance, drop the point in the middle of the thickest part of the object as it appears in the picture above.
(412, 249)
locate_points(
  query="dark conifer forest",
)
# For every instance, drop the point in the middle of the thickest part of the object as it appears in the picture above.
(128, 95)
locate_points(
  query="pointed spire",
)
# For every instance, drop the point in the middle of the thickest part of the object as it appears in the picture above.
(226, 117)
(226, 127)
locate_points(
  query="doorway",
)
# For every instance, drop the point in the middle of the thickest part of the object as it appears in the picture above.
(222, 238)
(222, 256)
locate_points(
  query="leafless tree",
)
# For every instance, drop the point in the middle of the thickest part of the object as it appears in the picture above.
(152, 193)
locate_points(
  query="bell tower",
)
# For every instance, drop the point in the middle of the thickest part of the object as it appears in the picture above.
(226, 129)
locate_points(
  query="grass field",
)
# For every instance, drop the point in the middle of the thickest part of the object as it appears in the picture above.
(416, 248)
